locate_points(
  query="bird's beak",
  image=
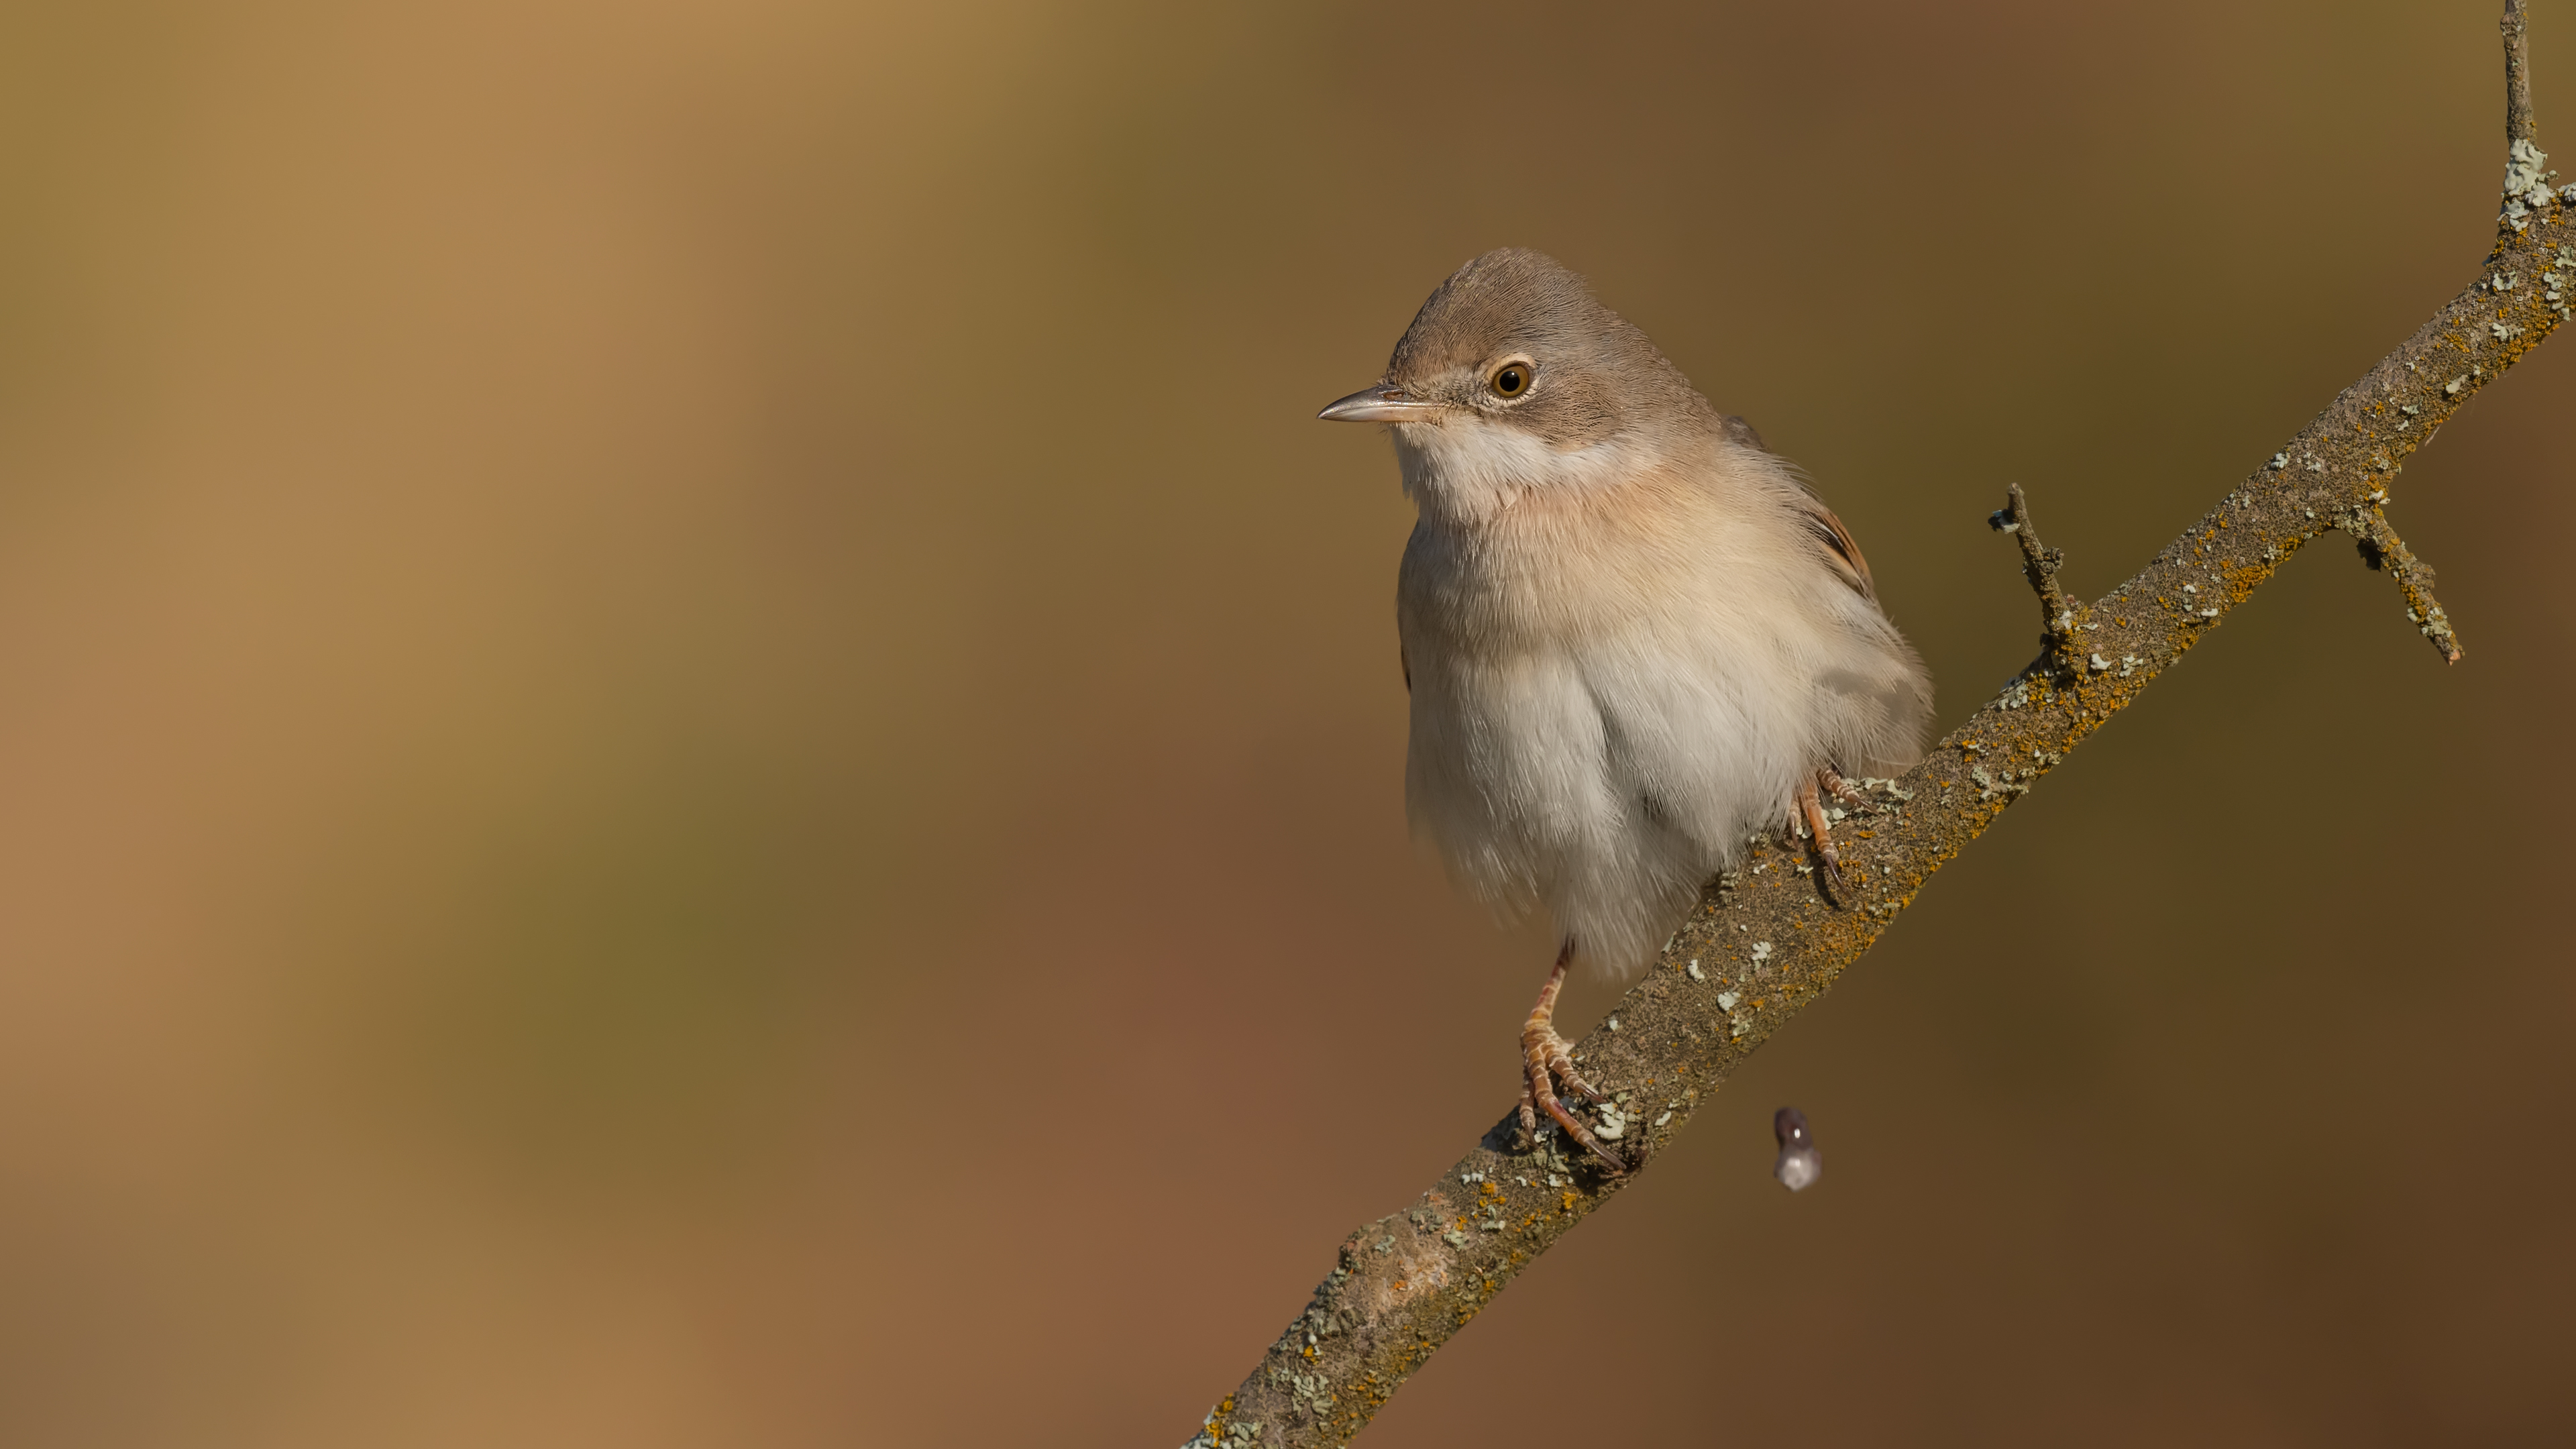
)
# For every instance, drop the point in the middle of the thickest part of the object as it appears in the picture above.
(1384, 403)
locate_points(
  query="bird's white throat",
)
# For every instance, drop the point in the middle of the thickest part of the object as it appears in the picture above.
(1466, 470)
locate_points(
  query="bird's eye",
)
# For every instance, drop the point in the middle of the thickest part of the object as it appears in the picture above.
(1511, 379)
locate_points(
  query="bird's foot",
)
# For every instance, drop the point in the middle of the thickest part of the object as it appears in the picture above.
(1547, 1060)
(1819, 829)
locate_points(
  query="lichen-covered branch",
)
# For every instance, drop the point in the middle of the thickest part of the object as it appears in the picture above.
(1763, 940)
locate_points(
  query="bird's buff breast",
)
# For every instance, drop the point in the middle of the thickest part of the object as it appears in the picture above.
(1598, 716)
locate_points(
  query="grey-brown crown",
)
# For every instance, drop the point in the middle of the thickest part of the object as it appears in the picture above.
(1596, 375)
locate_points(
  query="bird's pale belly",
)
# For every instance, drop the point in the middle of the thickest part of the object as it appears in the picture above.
(1605, 789)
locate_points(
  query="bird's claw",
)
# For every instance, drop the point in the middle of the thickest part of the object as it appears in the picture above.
(1546, 1060)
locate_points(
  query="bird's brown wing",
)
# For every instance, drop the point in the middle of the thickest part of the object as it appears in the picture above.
(1841, 552)
(1839, 549)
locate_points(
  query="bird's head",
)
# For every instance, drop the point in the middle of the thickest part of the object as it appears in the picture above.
(1512, 377)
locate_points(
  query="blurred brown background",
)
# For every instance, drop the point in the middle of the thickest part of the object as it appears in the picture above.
(697, 748)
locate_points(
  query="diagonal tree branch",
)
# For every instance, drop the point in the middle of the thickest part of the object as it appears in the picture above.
(1765, 940)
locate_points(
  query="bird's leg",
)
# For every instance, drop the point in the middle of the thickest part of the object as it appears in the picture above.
(1546, 1058)
(1818, 827)
(1840, 788)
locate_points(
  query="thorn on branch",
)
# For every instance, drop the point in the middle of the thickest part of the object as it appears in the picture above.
(2382, 549)
(2039, 564)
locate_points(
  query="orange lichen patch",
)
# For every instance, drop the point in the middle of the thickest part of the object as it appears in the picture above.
(2240, 580)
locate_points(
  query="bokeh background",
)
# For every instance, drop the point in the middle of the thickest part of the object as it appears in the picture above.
(698, 749)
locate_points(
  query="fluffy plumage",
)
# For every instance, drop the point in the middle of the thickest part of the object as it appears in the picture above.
(1630, 633)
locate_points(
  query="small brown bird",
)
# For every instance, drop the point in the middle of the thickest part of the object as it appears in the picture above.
(1634, 639)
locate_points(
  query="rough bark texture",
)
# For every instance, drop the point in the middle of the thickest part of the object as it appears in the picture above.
(1771, 937)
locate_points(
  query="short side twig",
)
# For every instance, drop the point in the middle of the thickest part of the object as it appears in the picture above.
(2382, 549)
(2039, 564)
(2526, 185)
(2517, 75)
